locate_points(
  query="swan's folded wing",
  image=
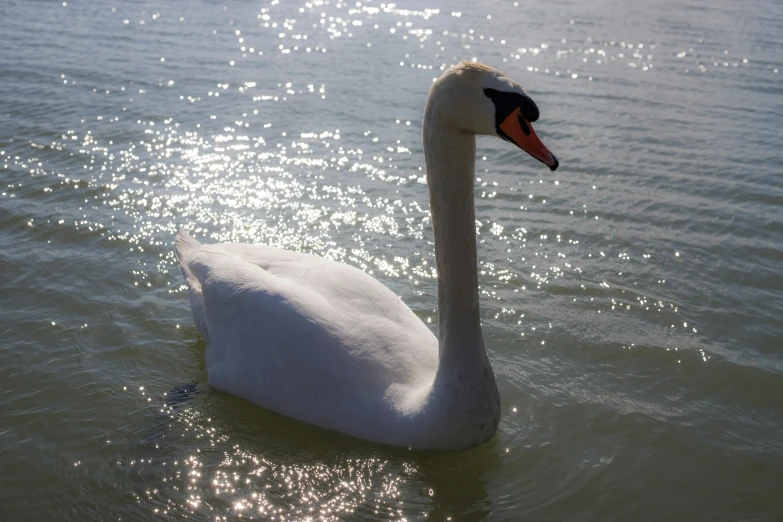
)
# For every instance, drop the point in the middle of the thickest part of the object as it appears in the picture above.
(307, 337)
(357, 293)
(282, 345)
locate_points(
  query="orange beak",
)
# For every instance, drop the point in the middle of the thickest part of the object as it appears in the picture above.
(516, 129)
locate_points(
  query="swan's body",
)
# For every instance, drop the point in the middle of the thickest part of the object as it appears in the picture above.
(325, 343)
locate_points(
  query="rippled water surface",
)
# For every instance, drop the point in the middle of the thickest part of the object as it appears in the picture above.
(632, 301)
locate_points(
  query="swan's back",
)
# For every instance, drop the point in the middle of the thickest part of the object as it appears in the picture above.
(310, 338)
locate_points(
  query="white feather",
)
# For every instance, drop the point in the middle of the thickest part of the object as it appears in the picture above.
(307, 337)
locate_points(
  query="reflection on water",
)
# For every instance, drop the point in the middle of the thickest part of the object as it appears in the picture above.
(216, 456)
(631, 302)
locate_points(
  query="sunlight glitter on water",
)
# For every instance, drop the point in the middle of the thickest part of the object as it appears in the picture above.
(200, 469)
(237, 182)
(629, 303)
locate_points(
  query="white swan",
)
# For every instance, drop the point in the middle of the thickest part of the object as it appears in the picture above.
(325, 343)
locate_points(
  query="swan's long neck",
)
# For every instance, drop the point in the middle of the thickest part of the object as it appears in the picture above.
(451, 156)
(464, 395)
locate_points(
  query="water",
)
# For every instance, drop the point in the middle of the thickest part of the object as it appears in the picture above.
(632, 301)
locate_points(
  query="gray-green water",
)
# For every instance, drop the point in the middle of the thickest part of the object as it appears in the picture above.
(632, 301)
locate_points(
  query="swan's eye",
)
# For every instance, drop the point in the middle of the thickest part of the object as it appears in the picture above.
(508, 102)
(523, 125)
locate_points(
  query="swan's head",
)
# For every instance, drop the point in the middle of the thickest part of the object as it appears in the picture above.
(479, 99)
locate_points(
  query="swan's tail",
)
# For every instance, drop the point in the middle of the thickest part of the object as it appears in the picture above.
(184, 244)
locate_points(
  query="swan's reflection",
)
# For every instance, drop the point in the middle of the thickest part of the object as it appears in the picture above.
(370, 480)
(210, 452)
(457, 482)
